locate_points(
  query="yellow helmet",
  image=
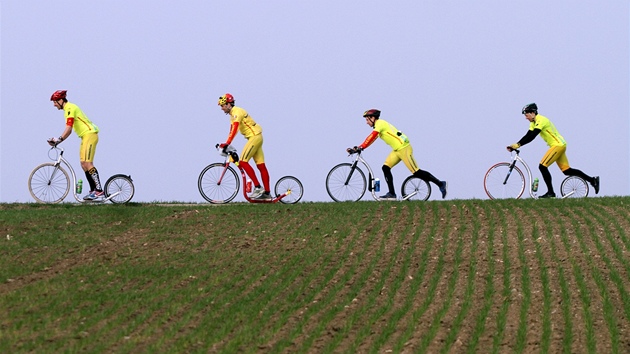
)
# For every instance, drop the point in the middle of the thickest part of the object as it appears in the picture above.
(225, 99)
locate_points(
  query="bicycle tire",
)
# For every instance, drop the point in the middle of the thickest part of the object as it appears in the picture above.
(339, 190)
(292, 185)
(49, 183)
(121, 184)
(210, 188)
(499, 183)
(574, 187)
(420, 187)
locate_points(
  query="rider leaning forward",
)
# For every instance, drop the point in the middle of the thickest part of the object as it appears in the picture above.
(541, 125)
(402, 151)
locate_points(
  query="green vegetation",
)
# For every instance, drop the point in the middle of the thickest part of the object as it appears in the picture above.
(429, 277)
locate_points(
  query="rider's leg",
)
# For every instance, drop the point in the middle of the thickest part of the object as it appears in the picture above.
(554, 154)
(389, 179)
(575, 172)
(250, 172)
(90, 181)
(87, 151)
(264, 175)
(546, 177)
(563, 163)
(406, 155)
(253, 149)
(427, 176)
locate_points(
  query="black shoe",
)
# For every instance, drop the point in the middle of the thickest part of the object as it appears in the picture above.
(388, 196)
(443, 188)
(548, 195)
(595, 184)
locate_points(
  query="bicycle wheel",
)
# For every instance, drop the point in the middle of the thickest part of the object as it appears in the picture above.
(344, 183)
(420, 189)
(574, 187)
(121, 187)
(49, 183)
(502, 183)
(291, 185)
(218, 184)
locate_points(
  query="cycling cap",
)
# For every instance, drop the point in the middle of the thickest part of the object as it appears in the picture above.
(372, 113)
(530, 108)
(58, 95)
(225, 99)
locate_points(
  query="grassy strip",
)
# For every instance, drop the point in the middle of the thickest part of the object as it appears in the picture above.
(482, 316)
(607, 306)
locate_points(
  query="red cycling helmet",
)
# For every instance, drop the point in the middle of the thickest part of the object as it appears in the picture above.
(372, 113)
(58, 95)
(225, 99)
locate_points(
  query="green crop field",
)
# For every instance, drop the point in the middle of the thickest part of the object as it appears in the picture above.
(462, 276)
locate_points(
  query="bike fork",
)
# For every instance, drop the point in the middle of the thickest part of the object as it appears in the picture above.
(509, 172)
(52, 176)
(354, 166)
(222, 174)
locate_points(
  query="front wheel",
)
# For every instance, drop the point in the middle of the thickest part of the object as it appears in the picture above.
(574, 187)
(501, 182)
(290, 186)
(119, 189)
(218, 183)
(49, 183)
(345, 183)
(415, 188)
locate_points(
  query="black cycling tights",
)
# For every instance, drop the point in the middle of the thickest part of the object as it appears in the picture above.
(575, 172)
(389, 179)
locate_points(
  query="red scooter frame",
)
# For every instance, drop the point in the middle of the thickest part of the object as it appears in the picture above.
(218, 182)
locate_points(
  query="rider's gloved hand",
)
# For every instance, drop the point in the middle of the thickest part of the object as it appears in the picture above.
(514, 147)
(354, 150)
(53, 141)
(223, 145)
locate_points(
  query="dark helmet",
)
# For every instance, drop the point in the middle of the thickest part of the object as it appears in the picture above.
(58, 95)
(225, 99)
(530, 108)
(372, 113)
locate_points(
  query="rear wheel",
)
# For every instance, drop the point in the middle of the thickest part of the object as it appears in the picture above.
(292, 187)
(345, 183)
(414, 188)
(120, 187)
(574, 187)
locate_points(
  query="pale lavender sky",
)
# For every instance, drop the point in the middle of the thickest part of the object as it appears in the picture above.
(453, 75)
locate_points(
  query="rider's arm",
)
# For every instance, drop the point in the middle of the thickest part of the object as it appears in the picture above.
(531, 134)
(232, 134)
(68, 130)
(369, 140)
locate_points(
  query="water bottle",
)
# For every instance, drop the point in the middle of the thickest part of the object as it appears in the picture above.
(377, 185)
(80, 186)
(248, 186)
(535, 185)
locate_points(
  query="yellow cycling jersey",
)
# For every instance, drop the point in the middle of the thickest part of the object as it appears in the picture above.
(548, 131)
(81, 123)
(390, 135)
(246, 124)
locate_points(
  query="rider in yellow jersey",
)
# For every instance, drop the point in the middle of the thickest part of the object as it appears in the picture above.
(88, 132)
(401, 151)
(242, 122)
(541, 125)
